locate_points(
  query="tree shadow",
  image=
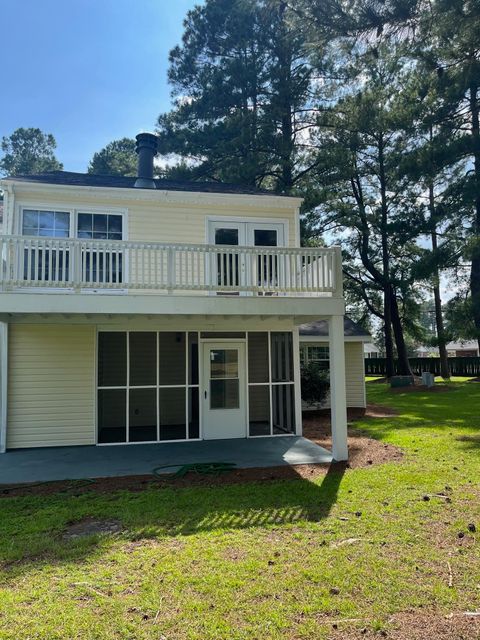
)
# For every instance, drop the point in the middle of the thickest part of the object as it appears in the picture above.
(469, 442)
(33, 531)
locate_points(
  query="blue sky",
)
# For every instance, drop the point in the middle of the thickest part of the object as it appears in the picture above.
(88, 71)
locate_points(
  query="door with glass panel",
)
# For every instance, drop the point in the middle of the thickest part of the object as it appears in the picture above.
(223, 393)
(236, 268)
(227, 268)
(266, 268)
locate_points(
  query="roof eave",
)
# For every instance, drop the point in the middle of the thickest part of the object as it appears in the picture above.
(131, 193)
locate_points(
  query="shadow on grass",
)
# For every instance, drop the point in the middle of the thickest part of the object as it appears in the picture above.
(470, 442)
(31, 528)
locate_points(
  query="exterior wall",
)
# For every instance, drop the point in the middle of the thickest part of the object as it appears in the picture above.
(51, 386)
(52, 373)
(163, 220)
(354, 373)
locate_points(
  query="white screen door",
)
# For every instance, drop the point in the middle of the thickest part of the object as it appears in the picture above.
(223, 394)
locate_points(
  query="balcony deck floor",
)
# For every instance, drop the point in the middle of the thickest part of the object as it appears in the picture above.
(65, 463)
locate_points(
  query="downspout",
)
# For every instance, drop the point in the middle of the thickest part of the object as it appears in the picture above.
(8, 205)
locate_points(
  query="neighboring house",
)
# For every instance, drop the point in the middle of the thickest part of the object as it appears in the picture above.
(314, 347)
(141, 310)
(460, 349)
(371, 350)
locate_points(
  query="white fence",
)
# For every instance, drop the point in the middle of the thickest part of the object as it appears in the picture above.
(76, 264)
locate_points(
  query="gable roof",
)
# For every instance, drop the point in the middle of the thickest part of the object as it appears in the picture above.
(320, 328)
(69, 178)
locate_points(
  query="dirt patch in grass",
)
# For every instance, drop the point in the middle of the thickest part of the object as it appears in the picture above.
(363, 450)
(378, 411)
(140, 483)
(417, 625)
(91, 526)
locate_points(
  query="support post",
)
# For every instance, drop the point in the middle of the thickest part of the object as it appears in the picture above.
(338, 393)
(297, 385)
(3, 384)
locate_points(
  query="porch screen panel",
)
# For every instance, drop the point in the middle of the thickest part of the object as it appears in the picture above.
(147, 386)
(172, 364)
(259, 418)
(193, 391)
(283, 389)
(112, 359)
(259, 410)
(283, 407)
(193, 413)
(271, 385)
(282, 356)
(142, 408)
(143, 358)
(112, 418)
(258, 365)
(173, 423)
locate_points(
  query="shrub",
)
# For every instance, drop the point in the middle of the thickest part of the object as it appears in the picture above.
(315, 383)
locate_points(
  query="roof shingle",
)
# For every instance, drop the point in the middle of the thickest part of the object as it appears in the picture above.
(320, 328)
(70, 178)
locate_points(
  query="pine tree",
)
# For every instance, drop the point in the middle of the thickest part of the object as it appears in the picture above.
(118, 158)
(367, 200)
(242, 86)
(28, 151)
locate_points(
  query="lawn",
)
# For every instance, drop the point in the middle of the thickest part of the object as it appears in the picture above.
(287, 559)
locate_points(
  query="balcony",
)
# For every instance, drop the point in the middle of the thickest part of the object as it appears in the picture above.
(85, 266)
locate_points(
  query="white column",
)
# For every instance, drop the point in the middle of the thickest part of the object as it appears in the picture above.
(3, 384)
(338, 396)
(297, 385)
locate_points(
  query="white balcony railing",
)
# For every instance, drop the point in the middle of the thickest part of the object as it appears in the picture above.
(74, 264)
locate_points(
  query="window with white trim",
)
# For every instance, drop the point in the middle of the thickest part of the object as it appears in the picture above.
(99, 226)
(320, 354)
(53, 261)
(52, 224)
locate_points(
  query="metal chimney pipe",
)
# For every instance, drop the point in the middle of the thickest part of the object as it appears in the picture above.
(146, 149)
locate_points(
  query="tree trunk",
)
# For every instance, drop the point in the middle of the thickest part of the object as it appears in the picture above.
(442, 343)
(388, 289)
(475, 268)
(387, 330)
(403, 363)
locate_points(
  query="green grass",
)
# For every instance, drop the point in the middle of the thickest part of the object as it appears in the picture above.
(259, 560)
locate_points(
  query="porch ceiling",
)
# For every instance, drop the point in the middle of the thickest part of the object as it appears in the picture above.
(66, 463)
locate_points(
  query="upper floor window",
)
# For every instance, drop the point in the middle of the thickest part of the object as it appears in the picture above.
(53, 224)
(99, 226)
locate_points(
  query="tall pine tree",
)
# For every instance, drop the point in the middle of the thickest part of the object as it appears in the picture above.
(242, 85)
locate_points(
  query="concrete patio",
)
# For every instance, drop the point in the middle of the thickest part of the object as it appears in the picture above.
(65, 463)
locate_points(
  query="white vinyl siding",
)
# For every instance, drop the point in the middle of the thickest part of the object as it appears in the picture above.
(51, 385)
(354, 372)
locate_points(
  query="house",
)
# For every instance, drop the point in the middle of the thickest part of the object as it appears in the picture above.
(371, 350)
(460, 349)
(140, 310)
(314, 347)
